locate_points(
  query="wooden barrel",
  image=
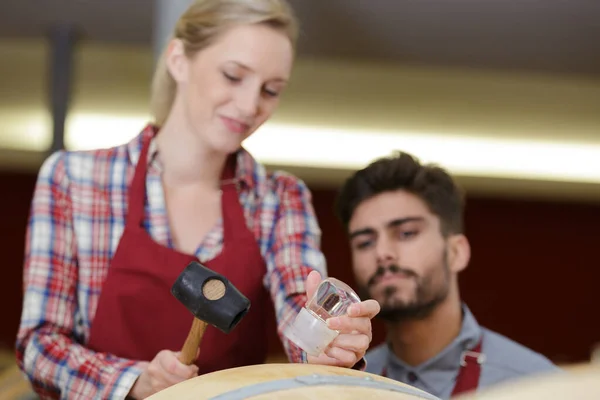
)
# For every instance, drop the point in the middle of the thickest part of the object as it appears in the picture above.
(14, 385)
(290, 382)
(580, 382)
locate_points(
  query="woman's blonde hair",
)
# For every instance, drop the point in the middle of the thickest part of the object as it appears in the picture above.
(201, 23)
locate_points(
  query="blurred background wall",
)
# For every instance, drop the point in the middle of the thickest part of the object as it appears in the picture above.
(508, 91)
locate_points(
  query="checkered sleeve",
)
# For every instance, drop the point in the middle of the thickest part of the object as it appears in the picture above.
(49, 346)
(293, 252)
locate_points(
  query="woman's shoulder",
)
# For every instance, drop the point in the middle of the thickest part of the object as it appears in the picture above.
(284, 199)
(286, 181)
(268, 181)
(83, 166)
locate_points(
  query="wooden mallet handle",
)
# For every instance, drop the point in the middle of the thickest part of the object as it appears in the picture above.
(212, 289)
(192, 343)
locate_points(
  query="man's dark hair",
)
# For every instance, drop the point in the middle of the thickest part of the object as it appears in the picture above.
(403, 171)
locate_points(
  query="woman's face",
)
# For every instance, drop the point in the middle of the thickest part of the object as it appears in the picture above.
(229, 89)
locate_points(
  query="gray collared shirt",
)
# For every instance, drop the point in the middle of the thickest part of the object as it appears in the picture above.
(504, 360)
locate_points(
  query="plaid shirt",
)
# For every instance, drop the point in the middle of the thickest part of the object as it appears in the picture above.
(77, 218)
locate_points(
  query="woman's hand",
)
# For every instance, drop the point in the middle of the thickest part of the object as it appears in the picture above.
(163, 371)
(355, 336)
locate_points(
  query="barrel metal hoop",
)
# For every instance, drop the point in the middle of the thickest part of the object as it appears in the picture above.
(317, 380)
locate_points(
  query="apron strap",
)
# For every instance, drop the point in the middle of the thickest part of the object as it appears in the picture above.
(231, 209)
(470, 371)
(137, 189)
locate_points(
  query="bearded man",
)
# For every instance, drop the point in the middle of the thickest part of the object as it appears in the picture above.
(404, 221)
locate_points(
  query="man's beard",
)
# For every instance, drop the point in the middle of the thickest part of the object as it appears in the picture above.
(429, 293)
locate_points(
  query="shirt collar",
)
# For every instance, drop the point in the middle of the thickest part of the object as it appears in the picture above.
(432, 372)
(248, 171)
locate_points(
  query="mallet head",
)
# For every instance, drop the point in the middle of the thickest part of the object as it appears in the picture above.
(210, 297)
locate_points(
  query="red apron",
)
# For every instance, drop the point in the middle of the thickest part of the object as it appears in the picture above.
(137, 316)
(469, 373)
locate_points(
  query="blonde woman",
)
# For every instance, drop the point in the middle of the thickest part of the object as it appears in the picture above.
(110, 230)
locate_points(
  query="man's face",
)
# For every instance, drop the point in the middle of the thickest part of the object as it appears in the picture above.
(400, 257)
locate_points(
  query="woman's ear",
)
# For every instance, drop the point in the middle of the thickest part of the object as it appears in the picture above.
(176, 61)
(459, 252)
